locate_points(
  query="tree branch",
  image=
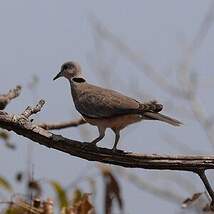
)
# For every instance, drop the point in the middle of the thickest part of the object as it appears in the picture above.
(203, 177)
(6, 98)
(33, 110)
(22, 125)
(62, 125)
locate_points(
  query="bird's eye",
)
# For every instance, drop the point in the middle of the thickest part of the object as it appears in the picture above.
(68, 66)
(65, 67)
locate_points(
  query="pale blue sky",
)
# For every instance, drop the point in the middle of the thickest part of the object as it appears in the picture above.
(36, 37)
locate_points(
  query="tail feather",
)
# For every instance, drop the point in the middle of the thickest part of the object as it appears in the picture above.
(152, 106)
(163, 118)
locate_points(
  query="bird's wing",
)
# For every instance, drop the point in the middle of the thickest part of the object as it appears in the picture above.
(97, 102)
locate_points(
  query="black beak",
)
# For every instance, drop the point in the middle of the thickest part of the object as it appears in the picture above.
(57, 76)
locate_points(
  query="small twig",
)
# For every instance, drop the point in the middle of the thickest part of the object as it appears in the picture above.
(33, 110)
(137, 60)
(62, 125)
(141, 183)
(6, 98)
(209, 189)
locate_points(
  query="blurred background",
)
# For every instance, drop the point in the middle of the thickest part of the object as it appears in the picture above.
(147, 49)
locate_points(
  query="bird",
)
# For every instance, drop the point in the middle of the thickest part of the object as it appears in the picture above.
(106, 108)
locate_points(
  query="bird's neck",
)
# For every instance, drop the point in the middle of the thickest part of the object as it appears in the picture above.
(73, 89)
(75, 83)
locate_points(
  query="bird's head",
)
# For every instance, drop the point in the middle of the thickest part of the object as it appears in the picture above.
(71, 71)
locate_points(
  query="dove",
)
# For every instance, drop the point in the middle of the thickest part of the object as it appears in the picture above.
(106, 108)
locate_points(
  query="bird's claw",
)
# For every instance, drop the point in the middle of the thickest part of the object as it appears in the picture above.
(115, 150)
(88, 144)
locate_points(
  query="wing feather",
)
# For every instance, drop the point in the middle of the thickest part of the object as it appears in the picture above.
(96, 102)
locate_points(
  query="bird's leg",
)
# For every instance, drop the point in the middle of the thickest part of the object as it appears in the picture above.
(117, 137)
(101, 136)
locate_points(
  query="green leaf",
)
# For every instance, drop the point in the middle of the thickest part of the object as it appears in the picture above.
(4, 135)
(5, 184)
(77, 196)
(60, 193)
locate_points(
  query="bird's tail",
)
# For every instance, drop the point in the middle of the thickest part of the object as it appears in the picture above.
(152, 106)
(161, 117)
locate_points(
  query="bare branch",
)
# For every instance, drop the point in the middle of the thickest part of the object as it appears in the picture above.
(137, 60)
(24, 127)
(6, 98)
(203, 177)
(204, 27)
(21, 125)
(33, 110)
(143, 184)
(62, 125)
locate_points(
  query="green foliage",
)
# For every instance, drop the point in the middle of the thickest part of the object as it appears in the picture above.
(112, 190)
(80, 204)
(35, 187)
(4, 135)
(60, 193)
(4, 184)
(15, 210)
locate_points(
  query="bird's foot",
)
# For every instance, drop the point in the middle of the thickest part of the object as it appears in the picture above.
(88, 144)
(115, 150)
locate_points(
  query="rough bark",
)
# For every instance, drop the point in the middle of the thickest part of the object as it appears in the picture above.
(23, 125)
(6, 98)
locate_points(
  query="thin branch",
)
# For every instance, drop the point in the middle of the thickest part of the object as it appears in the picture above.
(203, 177)
(204, 27)
(62, 125)
(136, 59)
(33, 110)
(190, 81)
(6, 98)
(139, 182)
